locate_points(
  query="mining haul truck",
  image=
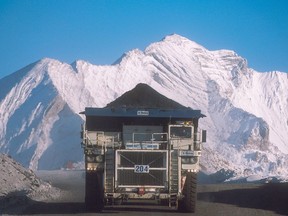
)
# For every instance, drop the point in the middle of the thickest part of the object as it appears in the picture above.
(134, 153)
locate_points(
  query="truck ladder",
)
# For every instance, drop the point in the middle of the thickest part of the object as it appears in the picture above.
(174, 178)
(109, 171)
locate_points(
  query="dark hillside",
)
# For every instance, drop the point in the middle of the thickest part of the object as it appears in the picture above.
(146, 97)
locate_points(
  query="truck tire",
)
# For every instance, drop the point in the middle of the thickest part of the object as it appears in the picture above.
(94, 192)
(188, 203)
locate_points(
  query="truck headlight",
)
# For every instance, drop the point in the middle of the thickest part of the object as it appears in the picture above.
(189, 160)
(91, 166)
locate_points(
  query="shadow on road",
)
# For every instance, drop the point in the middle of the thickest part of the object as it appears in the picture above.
(141, 207)
(42, 208)
(32, 207)
(272, 197)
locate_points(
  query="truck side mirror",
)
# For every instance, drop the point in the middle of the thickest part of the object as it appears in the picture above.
(204, 135)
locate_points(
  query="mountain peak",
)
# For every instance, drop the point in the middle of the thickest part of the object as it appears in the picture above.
(180, 40)
(135, 53)
(47, 61)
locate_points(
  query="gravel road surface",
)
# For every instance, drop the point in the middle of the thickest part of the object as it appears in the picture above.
(213, 199)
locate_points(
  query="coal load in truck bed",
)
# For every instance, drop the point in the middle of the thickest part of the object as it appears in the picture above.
(145, 97)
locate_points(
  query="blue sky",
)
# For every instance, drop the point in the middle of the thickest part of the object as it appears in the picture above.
(101, 31)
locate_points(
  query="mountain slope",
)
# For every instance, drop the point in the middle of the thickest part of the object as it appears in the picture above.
(29, 113)
(247, 119)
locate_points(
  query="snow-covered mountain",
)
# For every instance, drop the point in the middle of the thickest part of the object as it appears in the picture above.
(247, 111)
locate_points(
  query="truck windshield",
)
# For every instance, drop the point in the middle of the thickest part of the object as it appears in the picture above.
(180, 132)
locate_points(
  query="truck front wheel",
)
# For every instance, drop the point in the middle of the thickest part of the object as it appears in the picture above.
(188, 203)
(94, 191)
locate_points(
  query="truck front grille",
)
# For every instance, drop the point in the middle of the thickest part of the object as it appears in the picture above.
(125, 165)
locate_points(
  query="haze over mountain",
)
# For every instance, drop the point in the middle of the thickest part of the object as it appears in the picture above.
(247, 111)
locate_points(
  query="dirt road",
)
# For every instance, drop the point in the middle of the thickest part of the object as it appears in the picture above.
(213, 199)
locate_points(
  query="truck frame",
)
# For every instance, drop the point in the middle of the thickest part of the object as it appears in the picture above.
(141, 153)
